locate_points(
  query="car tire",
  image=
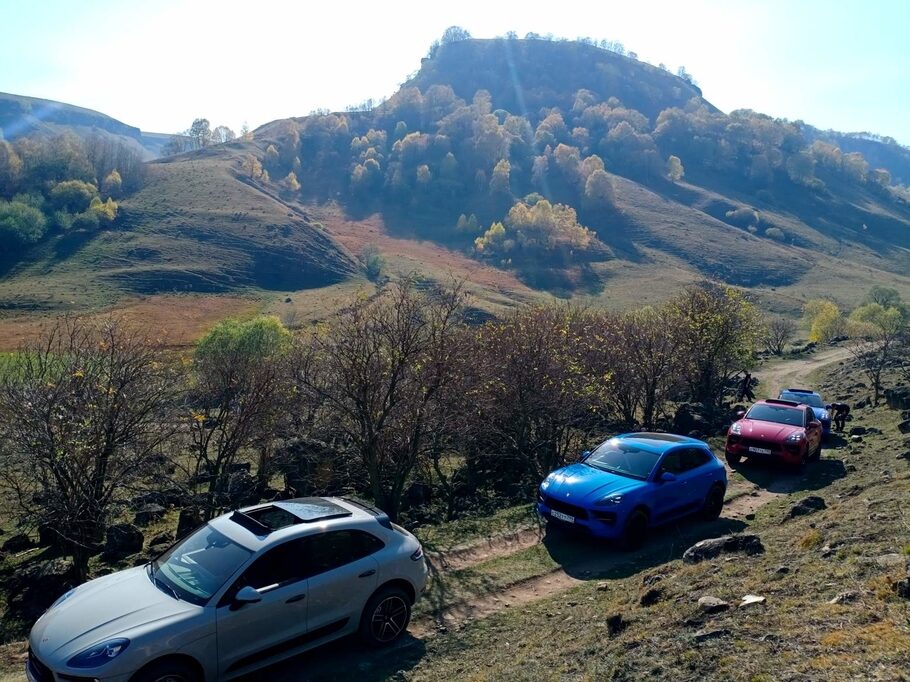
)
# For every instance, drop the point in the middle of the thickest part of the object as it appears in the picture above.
(167, 671)
(385, 617)
(636, 530)
(817, 455)
(733, 459)
(714, 503)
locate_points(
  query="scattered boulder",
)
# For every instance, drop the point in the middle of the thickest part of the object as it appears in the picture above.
(808, 505)
(904, 426)
(148, 514)
(781, 570)
(751, 600)
(727, 544)
(188, 521)
(858, 430)
(856, 439)
(603, 586)
(898, 399)
(161, 539)
(34, 588)
(710, 604)
(122, 540)
(845, 597)
(651, 596)
(862, 403)
(689, 417)
(902, 588)
(714, 633)
(891, 560)
(17, 543)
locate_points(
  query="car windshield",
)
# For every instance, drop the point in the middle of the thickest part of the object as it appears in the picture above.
(779, 414)
(809, 399)
(625, 459)
(195, 569)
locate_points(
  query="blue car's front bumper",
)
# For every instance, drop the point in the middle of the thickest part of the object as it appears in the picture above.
(599, 522)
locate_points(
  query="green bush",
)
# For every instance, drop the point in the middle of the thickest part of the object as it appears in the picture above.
(20, 224)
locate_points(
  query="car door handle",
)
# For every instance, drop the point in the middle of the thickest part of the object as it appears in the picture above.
(367, 574)
(296, 597)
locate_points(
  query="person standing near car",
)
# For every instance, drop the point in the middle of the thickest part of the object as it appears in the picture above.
(839, 412)
(745, 388)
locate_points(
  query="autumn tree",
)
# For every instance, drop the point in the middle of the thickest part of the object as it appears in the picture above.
(237, 389)
(290, 182)
(112, 185)
(377, 371)
(222, 134)
(824, 319)
(85, 411)
(252, 167)
(879, 335)
(675, 170)
(777, 332)
(200, 133)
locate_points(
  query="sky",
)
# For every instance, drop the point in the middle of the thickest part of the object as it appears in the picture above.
(158, 64)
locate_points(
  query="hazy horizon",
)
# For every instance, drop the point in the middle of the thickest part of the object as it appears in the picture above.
(838, 65)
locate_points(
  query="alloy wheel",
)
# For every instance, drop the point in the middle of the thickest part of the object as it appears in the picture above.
(390, 618)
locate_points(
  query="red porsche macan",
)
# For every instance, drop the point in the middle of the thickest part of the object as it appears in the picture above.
(776, 429)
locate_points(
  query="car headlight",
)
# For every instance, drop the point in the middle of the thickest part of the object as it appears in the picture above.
(610, 500)
(795, 437)
(100, 654)
(736, 429)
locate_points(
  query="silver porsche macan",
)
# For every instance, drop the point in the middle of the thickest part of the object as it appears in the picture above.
(243, 591)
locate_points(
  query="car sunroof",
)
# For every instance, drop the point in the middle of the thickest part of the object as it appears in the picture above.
(278, 515)
(309, 509)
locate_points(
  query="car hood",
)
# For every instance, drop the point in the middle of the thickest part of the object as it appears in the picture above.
(580, 483)
(122, 604)
(770, 431)
(820, 413)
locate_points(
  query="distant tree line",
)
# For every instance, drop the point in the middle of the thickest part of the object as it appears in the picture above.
(200, 135)
(62, 183)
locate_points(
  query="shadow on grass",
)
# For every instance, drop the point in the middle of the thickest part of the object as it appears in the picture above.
(778, 478)
(345, 659)
(587, 558)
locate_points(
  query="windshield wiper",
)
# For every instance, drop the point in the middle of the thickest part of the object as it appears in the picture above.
(161, 585)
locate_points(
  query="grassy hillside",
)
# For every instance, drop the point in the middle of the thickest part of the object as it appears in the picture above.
(22, 116)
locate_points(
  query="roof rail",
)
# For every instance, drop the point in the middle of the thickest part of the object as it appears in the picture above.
(380, 515)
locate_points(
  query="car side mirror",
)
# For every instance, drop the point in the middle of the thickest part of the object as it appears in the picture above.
(247, 595)
(584, 455)
(740, 414)
(666, 477)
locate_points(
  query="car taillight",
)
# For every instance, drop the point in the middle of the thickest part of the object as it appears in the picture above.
(418, 554)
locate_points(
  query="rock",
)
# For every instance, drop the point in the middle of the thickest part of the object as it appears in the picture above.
(751, 600)
(856, 439)
(122, 540)
(34, 588)
(845, 597)
(904, 426)
(782, 570)
(750, 516)
(808, 505)
(149, 514)
(891, 560)
(651, 597)
(850, 467)
(861, 404)
(152, 497)
(715, 633)
(902, 588)
(689, 418)
(188, 521)
(727, 544)
(898, 399)
(164, 538)
(710, 604)
(858, 430)
(17, 543)
(603, 586)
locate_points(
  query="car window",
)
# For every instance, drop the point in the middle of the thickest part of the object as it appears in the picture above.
(623, 458)
(810, 416)
(278, 566)
(693, 458)
(337, 548)
(779, 414)
(672, 462)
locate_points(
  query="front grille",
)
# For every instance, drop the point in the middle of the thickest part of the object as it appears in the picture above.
(39, 671)
(565, 507)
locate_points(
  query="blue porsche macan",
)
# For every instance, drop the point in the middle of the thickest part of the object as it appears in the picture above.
(633, 482)
(804, 396)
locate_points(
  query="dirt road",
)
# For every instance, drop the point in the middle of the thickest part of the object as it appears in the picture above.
(794, 373)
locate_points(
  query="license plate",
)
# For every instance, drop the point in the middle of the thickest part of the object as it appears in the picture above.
(760, 451)
(562, 517)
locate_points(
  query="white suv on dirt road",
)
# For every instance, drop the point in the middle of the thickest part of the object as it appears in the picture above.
(243, 591)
